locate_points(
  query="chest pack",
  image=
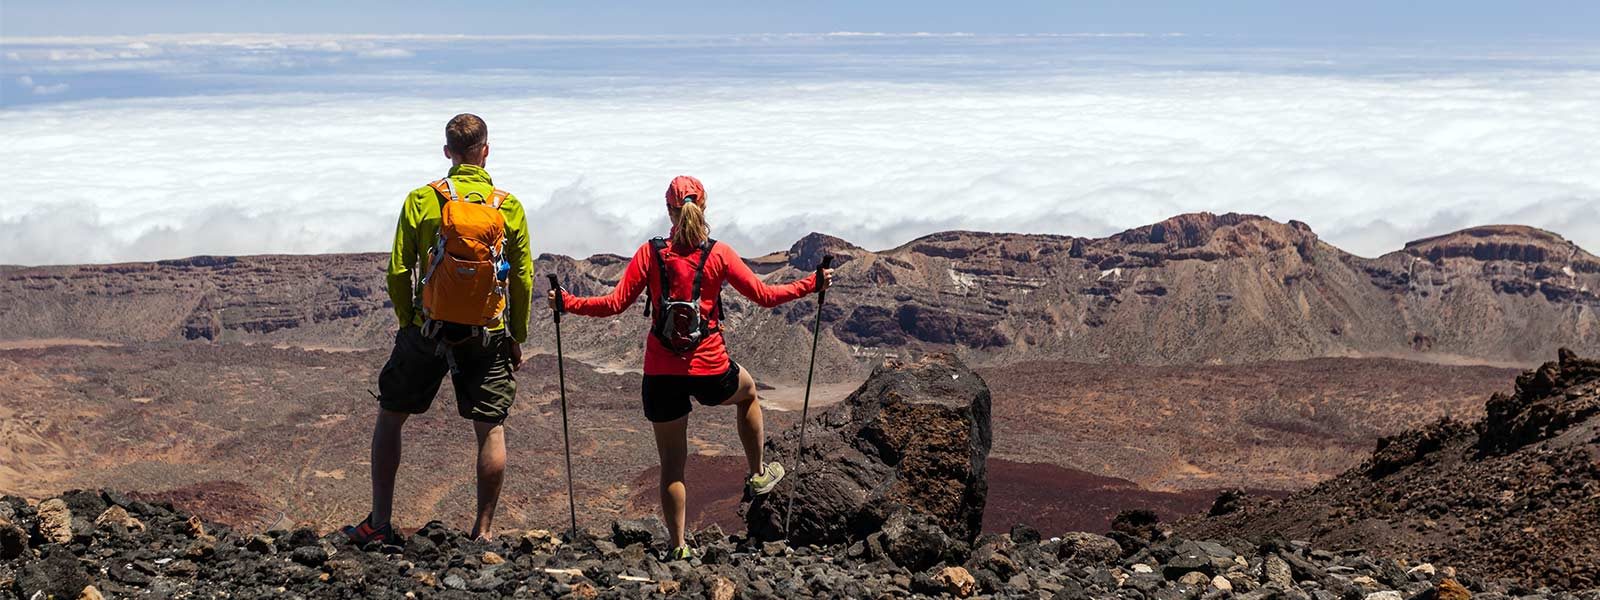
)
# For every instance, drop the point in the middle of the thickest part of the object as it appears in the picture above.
(464, 288)
(678, 323)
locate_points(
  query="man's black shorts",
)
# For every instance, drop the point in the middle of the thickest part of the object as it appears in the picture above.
(666, 397)
(485, 387)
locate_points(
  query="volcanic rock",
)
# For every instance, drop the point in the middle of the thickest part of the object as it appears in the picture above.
(1077, 546)
(55, 521)
(13, 540)
(1511, 498)
(118, 516)
(914, 437)
(638, 531)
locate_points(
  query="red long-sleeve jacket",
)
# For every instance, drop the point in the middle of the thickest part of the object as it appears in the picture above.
(724, 265)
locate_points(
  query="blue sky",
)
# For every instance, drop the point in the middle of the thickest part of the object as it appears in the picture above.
(1433, 19)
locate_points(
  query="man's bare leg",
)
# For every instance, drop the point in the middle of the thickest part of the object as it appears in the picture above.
(386, 434)
(672, 445)
(491, 474)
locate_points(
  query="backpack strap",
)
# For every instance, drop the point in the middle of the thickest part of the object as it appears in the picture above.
(700, 270)
(498, 197)
(699, 278)
(446, 188)
(656, 246)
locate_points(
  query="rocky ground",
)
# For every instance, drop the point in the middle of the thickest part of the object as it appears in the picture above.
(891, 505)
(121, 547)
(1514, 497)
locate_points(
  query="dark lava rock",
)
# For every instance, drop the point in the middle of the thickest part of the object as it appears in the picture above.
(1541, 406)
(915, 437)
(638, 531)
(310, 556)
(1088, 548)
(1023, 534)
(916, 542)
(1510, 499)
(58, 574)
(13, 540)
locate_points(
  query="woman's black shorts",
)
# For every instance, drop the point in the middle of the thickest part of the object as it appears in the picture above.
(666, 397)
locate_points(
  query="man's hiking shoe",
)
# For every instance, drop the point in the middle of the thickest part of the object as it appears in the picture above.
(681, 553)
(763, 482)
(364, 533)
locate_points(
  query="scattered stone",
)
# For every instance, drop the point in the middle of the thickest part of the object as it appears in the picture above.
(956, 581)
(58, 574)
(1451, 589)
(490, 558)
(90, 593)
(311, 556)
(1088, 548)
(261, 544)
(774, 549)
(117, 515)
(913, 541)
(638, 531)
(182, 568)
(538, 540)
(13, 540)
(1222, 584)
(426, 578)
(1276, 572)
(721, 588)
(1194, 579)
(584, 590)
(455, 582)
(1385, 595)
(668, 587)
(1023, 534)
(55, 522)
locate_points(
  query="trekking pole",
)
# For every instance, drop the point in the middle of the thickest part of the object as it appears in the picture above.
(566, 439)
(805, 406)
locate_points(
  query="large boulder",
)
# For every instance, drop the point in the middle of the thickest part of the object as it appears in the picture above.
(914, 438)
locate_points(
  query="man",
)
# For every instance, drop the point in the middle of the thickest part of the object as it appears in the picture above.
(434, 339)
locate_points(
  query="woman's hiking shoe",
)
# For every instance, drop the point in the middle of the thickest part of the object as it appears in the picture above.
(681, 553)
(763, 482)
(364, 533)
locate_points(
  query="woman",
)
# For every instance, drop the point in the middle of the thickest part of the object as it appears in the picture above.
(684, 352)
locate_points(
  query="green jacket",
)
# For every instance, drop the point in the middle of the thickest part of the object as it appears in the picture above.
(417, 231)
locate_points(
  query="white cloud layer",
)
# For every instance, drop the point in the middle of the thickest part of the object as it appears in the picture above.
(1369, 161)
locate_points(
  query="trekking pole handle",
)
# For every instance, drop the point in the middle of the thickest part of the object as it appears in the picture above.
(555, 286)
(827, 263)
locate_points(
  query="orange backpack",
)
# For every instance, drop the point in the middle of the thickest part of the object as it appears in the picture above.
(465, 283)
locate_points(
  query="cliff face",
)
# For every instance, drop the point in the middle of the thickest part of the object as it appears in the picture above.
(1194, 288)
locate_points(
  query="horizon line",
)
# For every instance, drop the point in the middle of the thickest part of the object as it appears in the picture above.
(1402, 248)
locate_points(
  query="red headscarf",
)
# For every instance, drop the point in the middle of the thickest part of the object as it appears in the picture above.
(684, 186)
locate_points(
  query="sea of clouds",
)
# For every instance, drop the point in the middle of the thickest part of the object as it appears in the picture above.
(157, 147)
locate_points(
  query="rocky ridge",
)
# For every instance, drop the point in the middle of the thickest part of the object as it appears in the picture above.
(1512, 499)
(1195, 288)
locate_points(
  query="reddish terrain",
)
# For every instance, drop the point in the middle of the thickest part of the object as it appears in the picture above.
(1202, 352)
(248, 433)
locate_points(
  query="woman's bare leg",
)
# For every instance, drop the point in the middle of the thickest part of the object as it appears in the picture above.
(672, 445)
(752, 429)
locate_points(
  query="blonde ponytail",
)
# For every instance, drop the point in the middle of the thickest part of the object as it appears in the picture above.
(691, 229)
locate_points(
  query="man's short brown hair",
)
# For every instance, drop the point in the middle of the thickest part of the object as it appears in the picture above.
(465, 133)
